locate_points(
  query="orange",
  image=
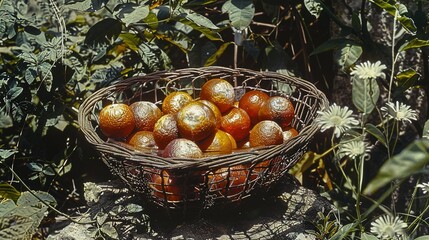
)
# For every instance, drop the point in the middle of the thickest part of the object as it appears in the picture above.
(251, 102)
(174, 101)
(166, 187)
(182, 148)
(116, 120)
(218, 142)
(196, 121)
(233, 142)
(145, 114)
(142, 139)
(278, 109)
(289, 133)
(220, 92)
(228, 181)
(215, 109)
(237, 123)
(165, 130)
(265, 133)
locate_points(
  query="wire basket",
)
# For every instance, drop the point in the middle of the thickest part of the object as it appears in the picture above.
(175, 183)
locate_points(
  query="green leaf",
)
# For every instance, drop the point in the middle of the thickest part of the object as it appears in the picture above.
(365, 94)
(7, 191)
(109, 230)
(213, 58)
(343, 232)
(414, 43)
(409, 161)
(14, 93)
(103, 31)
(133, 208)
(367, 236)
(426, 130)
(406, 22)
(314, 7)
(422, 237)
(131, 40)
(130, 13)
(331, 44)
(5, 153)
(35, 167)
(86, 5)
(405, 80)
(5, 121)
(377, 133)
(348, 55)
(198, 22)
(240, 12)
(28, 199)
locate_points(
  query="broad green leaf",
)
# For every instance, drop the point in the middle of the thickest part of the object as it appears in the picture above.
(425, 237)
(196, 3)
(414, 43)
(5, 121)
(103, 31)
(197, 18)
(130, 13)
(409, 161)
(377, 133)
(14, 93)
(9, 192)
(348, 55)
(406, 22)
(87, 5)
(240, 12)
(133, 208)
(405, 80)
(209, 33)
(343, 232)
(151, 20)
(367, 236)
(331, 44)
(213, 58)
(314, 7)
(5, 153)
(109, 230)
(131, 40)
(365, 94)
(28, 199)
(426, 130)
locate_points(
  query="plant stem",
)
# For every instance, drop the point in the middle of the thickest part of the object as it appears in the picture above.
(394, 58)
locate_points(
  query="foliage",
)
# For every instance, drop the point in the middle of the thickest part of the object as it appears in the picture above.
(53, 54)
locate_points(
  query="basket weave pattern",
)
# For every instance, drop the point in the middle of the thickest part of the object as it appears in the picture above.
(174, 183)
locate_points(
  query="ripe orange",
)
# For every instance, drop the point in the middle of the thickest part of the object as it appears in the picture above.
(182, 148)
(233, 142)
(145, 114)
(116, 120)
(265, 133)
(218, 142)
(165, 130)
(228, 181)
(278, 109)
(162, 183)
(142, 139)
(289, 133)
(237, 123)
(174, 101)
(215, 109)
(251, 102)
(220, 92)
(196, 121)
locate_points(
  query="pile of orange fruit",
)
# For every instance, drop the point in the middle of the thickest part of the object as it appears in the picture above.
(212, 124)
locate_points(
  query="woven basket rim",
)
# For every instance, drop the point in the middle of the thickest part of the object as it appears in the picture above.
(256, 154)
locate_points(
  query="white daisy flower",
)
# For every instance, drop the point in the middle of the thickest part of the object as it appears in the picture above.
(368, 70)
(336, 117)
(354, 149)
(399, 111)
(424, 187)
(389, 227)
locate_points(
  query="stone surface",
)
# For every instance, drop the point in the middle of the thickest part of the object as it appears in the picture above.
(287, 216)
